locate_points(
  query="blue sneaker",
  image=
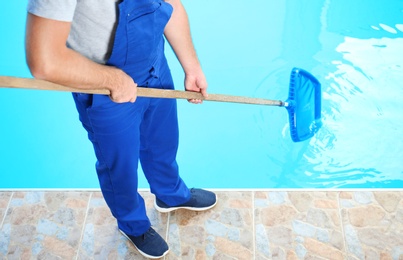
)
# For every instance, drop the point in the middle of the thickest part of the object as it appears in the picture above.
(200, 200)
(150, 244)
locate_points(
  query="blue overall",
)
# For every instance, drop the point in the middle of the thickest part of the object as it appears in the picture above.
(147, 130)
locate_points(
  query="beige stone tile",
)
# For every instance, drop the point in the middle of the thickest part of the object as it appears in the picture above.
(224, 232)
(4, 201)
(298, 225)
(4, 233)
(43, 225)
(101, 237)
(288, 225)
(373, 224)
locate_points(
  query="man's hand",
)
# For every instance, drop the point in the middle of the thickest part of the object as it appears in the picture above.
(196, 83)
(123, 89)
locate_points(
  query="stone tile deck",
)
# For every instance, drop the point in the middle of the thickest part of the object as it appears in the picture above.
(272, 224)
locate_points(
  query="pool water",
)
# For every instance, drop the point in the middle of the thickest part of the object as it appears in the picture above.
(247, 49)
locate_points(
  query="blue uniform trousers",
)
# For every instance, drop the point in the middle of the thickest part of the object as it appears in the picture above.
(147, 130)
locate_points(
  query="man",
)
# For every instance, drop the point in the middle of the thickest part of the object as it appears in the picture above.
(119, 45)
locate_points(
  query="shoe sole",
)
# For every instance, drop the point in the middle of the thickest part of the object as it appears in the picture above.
(166, 210)
(141, 252)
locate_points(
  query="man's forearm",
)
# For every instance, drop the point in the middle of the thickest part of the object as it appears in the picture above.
(48, 58)
(178, 35)
(72, 69)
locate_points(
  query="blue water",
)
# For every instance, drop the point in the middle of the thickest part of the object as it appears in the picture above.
(354, 48)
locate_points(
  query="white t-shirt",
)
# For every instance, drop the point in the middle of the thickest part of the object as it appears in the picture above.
(93, 23)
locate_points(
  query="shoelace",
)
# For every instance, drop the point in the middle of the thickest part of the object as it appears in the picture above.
(148, 233)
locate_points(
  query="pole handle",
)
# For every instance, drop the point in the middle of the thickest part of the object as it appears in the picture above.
(37, 84)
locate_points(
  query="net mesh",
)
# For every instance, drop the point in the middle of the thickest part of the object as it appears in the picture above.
(304, 108)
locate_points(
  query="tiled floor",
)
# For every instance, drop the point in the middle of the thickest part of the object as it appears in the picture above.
(244, 225)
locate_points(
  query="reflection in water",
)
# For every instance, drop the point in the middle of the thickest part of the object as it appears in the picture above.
(364, 123)
(361, 70)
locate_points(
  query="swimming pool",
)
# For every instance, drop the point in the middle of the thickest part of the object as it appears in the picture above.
(353, 48)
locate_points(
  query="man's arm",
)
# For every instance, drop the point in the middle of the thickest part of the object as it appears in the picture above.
(178, 35)
(50, 59)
